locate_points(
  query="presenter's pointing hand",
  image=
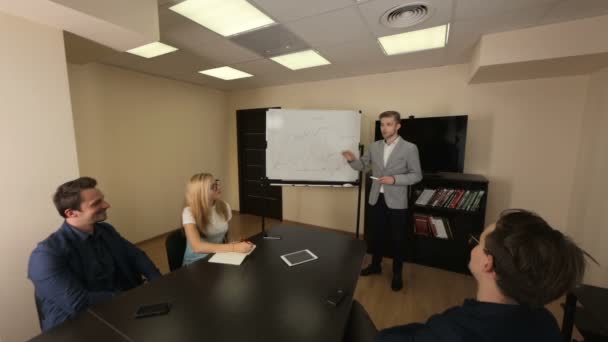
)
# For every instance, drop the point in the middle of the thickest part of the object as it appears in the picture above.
(349, 155)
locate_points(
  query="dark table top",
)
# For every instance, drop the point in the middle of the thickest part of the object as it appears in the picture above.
(263, 299)
(83, 327)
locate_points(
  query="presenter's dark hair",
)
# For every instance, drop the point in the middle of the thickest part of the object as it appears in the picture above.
(534, 263)
(68, 196)
(391, 114)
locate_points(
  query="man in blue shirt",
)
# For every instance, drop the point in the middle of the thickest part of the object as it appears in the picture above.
(520, 264)
(85, 261)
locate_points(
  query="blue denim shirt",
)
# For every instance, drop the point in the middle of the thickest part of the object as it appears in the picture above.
(72, 270)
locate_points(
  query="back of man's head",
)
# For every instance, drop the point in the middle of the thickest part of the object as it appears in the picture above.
(68, 196)
(534, 263)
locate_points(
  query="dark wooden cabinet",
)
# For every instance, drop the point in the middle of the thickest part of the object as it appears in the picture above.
(453, 253)
(251, 141)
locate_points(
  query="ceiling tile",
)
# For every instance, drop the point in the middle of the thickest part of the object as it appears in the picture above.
(420, 59)
(215, 83)
(224, 52)
(260, 67)
(318, 73)
(245, 83)
(288, 10)
(464, 34)
(469, 9)
(271, 41)
(372, 12)
(276, 77)
(168, 19)
(354, 53)
(125, 59)
(261, 81)
(179, 62)
(575, 9)
(274, 80)
(142, 68)
(290, 76)
(331, 28)
(361, 57)
(183, 31)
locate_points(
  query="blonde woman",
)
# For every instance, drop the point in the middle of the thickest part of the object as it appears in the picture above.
(205, 220)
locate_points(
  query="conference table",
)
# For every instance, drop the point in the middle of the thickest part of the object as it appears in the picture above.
(84, 327)
(263, 299)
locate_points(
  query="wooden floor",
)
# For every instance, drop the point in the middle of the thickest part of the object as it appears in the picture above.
(426, 290)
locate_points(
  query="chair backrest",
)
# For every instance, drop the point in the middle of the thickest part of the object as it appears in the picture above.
(38, 310)
(175, 246)
(360, 327)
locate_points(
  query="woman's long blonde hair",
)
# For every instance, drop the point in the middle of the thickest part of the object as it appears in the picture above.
(198, 193)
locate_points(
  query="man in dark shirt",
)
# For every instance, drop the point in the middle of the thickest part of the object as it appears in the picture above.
(520, 265)
(86, 261)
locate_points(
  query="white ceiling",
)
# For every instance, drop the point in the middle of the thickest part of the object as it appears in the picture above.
(344, 32)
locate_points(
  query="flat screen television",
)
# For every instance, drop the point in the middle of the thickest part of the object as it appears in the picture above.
(441, 141)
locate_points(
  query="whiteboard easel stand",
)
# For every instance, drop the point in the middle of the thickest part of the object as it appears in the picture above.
(359, 195)
(264, 184)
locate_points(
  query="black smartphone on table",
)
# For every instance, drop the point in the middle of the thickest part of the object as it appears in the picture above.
(153, 310)
(336, 297)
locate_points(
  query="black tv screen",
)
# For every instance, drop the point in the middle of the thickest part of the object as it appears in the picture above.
(441, 141)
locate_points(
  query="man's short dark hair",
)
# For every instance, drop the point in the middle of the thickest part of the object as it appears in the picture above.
(391, 114)
(68, 196)
(534, 263)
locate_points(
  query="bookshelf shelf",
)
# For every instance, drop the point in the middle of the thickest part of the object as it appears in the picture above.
(446, 210)
(452, 253)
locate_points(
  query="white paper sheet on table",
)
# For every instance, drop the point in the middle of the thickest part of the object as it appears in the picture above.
(230, 258)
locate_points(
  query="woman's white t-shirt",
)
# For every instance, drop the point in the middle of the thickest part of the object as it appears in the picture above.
(216, 231)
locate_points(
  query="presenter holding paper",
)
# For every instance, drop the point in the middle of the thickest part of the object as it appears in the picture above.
(395, 165)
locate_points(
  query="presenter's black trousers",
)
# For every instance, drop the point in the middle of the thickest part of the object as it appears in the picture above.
(389, 233)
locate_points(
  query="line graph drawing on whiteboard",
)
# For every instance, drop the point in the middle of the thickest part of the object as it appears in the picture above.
(308, 145)
(322, 154)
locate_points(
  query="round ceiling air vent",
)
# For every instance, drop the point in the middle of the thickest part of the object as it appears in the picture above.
(406, 15)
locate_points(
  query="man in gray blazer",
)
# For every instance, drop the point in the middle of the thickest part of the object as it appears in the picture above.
(395, 165)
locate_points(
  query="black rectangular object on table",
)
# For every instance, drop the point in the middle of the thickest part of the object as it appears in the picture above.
(153, 310)
(336, 297)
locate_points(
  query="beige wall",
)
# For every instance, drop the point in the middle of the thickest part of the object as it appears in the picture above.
(142, 137)
(588, 223)
(577, 37)
(522, 134)
(37, 153)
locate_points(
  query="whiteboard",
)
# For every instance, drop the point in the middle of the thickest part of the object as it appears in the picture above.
(306, 145)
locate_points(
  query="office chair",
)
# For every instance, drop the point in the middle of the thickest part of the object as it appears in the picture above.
(360, 327)
(175, 244)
